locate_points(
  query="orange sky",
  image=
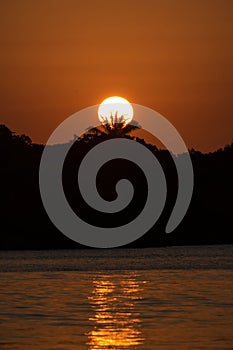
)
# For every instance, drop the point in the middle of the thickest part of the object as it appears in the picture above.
(175, 56)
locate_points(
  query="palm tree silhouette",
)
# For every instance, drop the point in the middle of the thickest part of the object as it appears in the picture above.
(112, 128)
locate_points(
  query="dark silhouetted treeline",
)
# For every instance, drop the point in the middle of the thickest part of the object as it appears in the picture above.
(25, 225)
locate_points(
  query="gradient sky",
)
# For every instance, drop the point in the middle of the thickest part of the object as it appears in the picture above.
(173, 56)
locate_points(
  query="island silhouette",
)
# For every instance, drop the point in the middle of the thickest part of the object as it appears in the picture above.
(24, 222)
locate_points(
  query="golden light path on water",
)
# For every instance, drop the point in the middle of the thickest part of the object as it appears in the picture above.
(181, 299)
(117, 325)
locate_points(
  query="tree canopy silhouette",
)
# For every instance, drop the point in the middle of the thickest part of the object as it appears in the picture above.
(25, 225)
(112, 128)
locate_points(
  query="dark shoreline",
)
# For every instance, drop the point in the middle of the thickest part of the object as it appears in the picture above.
(25, 224)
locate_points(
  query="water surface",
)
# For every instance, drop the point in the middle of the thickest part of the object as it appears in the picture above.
(157, 298)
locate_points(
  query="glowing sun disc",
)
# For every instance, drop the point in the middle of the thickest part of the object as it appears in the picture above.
(115, 108)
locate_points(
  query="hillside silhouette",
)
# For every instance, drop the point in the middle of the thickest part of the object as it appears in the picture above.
(25, 225)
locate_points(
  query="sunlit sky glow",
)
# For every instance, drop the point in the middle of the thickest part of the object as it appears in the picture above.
(173, 56)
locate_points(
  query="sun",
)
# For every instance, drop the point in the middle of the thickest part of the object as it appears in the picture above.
(114, 110)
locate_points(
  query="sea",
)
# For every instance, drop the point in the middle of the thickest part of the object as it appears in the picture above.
(143, 299)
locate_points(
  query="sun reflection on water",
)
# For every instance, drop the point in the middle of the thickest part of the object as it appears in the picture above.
(116, 323)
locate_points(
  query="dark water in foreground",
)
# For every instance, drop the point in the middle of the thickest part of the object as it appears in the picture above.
(160, 298)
